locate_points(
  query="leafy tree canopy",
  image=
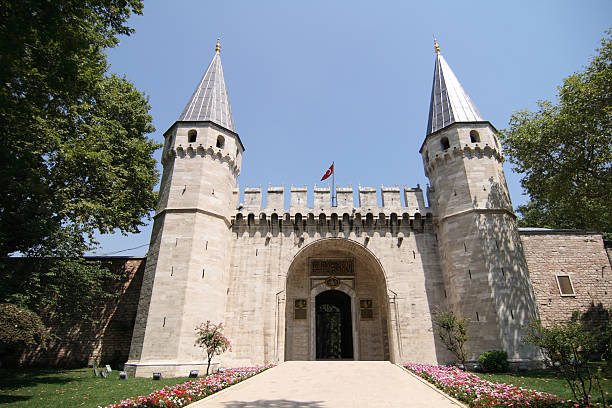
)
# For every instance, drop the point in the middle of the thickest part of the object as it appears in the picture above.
(564, 151)
(74, 156)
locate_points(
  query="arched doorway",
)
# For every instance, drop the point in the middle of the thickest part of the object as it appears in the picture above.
(334, 328)
(349, 279)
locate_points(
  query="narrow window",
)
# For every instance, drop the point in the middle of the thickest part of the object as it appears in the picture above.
(477, 317)
(565, 285)
(220, 142)
(426, 156)
(203, 270)
(300, 309)
(192, 136)
(470, 273)
(474, 136)
(444, 143)
(366, 308)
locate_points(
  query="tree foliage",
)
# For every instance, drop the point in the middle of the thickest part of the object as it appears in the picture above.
(567, 348)
(20, 328)
(452, 331)
(564, 151)
(74, 156)
(74, 152)
(210, 338)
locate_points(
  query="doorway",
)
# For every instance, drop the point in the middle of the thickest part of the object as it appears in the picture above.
(334, 329)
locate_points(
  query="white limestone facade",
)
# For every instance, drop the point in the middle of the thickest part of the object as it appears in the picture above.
(353, 280)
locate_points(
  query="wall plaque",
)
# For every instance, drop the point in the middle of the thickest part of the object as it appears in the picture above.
(366, 308)
(300, 309)
(332, 267)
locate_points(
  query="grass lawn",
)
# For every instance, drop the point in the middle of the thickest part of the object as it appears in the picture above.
(550, 382)
(71, 388)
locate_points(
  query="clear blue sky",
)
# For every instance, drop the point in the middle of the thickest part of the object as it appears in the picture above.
(350, 81)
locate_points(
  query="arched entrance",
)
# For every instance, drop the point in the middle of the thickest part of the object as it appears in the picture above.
(333, 327)
(337, 306)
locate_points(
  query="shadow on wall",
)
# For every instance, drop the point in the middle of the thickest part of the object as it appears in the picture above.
(117, 336)
(75, 343)
(595, 320)
(508, 275)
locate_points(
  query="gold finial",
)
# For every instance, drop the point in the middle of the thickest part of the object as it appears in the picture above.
(218, 46)
(436, 46)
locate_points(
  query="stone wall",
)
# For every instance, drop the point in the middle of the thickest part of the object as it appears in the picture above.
(108, 340)
(581, 256)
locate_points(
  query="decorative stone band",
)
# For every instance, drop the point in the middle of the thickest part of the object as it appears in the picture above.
(468, 151)
(200, 151)
(479, 211)
(228, 222)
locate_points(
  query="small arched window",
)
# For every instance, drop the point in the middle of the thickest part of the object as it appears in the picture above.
(220, 142)
(237, 151)
(444, 143)
(474, 136)
(192, 136)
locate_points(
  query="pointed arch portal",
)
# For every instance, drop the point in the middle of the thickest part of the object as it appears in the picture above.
(328, 282)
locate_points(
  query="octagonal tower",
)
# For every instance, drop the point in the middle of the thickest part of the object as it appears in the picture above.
(485, 272)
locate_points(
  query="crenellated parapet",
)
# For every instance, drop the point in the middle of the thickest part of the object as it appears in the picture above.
(200, 151)
(411, 212)
(468, 151)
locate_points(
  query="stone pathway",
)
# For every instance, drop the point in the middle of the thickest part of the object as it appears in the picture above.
(322, 384)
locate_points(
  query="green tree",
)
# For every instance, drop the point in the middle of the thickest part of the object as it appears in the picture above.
(564, 151)
(209, 336)
(74, 153)
(567, 347)
(452, 330)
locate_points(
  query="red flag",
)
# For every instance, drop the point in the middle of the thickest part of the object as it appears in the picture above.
(329, 172)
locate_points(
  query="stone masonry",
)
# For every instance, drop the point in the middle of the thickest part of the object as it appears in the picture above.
(353, 280)
(579, 255)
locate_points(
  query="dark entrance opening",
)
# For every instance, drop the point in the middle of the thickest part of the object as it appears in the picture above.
(334, 329)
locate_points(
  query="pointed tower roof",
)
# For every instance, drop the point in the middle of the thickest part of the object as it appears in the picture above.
(449, 101)
(210, 101)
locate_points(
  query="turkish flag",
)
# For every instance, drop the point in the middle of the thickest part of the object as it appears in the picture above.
(329, 172)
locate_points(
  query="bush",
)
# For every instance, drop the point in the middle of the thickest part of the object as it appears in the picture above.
(20, 328)
(494, 361)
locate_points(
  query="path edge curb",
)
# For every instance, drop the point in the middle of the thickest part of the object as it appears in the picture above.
(430, 385)
(210, 397)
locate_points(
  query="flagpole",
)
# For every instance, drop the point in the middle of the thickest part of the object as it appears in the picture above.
(334, 185)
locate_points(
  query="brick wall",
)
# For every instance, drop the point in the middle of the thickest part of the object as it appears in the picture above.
(108, 340)
(582, 256)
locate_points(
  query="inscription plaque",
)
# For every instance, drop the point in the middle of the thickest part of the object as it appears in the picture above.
(332, 267)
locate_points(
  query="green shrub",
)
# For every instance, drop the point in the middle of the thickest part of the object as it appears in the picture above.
(20, 327)
(494, 361)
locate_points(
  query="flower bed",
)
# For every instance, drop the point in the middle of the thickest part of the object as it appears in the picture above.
(186, 393)
(476, 392)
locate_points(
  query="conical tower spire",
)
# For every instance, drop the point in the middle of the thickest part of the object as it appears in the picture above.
(449, 101)
(210, 100)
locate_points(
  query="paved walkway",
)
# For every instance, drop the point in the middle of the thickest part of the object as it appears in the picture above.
(319, 384)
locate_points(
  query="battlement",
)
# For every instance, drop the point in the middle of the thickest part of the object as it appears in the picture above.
(413, 204)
